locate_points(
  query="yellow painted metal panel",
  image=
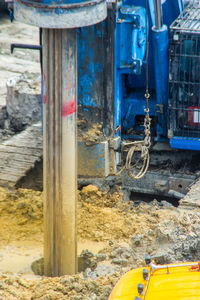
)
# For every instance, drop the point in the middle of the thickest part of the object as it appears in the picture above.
(178, 282)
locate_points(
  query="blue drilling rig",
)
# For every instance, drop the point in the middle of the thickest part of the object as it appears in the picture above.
(113, 72)
(139, 91)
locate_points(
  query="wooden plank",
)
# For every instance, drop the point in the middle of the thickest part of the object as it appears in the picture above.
(20, 150)
(28, 144)
(19, 157)
(13, 172)
(23, 164)
(19, 154)
(7, 177)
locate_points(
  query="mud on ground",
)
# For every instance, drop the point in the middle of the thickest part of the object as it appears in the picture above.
(113, 237)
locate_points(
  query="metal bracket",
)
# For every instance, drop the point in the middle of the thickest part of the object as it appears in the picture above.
(170, 133)
(25, 46)
(137, 66)
(159, 108)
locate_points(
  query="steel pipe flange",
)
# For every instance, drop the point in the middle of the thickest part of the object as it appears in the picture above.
(65, 14)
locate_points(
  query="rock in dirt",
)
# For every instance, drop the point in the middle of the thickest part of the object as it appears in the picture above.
(86, 260)
(24, 100)
(38, 266)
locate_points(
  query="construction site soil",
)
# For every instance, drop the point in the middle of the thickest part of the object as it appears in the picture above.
(113, 237)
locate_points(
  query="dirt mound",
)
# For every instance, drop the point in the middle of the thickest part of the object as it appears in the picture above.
(104, 216)
(66, 287)
(21, 215)
(125, 231)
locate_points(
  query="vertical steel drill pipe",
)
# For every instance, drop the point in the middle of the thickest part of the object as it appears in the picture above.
(59, 121)
(158, 14)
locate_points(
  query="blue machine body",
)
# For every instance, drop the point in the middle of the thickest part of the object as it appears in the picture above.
(161, 66)
(178, 142)
(129, 65)
(130, 82)
(91, 66)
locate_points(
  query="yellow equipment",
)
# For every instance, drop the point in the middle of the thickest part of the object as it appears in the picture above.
(160, 282)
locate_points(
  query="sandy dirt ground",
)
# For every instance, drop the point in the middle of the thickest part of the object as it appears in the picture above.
(113, 237)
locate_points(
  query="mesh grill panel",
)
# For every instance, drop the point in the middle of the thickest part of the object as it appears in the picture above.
(184, 74)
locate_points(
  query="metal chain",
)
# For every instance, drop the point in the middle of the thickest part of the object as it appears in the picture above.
(142, 146)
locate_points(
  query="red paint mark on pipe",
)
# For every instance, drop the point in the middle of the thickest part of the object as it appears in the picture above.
(44, 99)
(69, 108)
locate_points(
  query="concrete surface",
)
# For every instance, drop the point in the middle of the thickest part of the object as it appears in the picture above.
(21, 60)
